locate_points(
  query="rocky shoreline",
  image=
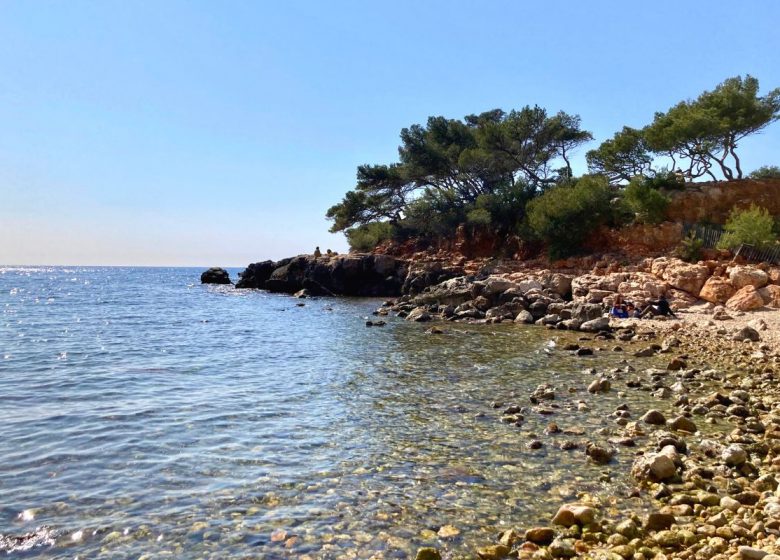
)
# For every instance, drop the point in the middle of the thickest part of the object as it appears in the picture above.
(713, 496)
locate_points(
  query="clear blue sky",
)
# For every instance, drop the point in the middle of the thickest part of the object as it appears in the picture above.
(218, 133)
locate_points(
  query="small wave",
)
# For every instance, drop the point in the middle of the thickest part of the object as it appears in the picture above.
(41, 536)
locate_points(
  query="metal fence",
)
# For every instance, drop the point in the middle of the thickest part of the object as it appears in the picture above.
(711, 234)
(757, 254)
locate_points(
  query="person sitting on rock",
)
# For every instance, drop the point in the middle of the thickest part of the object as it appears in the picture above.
(660, 307)
(632, 311)
(317, 252)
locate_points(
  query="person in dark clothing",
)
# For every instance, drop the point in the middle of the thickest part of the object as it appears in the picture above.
(660, 307)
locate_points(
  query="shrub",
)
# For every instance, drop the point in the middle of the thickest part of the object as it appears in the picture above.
(479, 217)
(645, 202)
(564, 215)
(690, 248)
(766, 172)
(751, 226)
(665, 179)
(366, 237)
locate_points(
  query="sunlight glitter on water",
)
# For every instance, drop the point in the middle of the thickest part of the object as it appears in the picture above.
(147, 405)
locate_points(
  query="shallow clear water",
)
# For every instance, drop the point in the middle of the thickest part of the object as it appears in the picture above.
(148, 414)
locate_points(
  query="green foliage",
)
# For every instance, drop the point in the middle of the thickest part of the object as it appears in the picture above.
(704, 133)
(621, 158)
(564, 215)
(690, 248)
(366, 237)
(751, 226)
(433, 215)
(664, 179)
(479, 217)
(766, 172)
(454, 162)
(645, 201)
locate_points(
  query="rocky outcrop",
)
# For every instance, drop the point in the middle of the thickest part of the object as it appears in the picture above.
(256, 274)
(681, 275)
(717, 290)
(713, 202)
(741, 276)
(346, 275)
(215, 275)
(746, 299)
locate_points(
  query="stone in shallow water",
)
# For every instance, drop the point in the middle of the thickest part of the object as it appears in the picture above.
(654, 417)
(562, 548)
(494, 552)
(573, 514)
(540, 535)
(427, 553)
(684, 424)
(448, 531)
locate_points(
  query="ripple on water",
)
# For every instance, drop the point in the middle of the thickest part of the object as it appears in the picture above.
(147, 414)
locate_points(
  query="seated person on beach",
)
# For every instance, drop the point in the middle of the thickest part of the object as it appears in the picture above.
(619, 310)
(632, 311)
(660, 307)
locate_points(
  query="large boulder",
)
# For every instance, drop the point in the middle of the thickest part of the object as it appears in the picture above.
(422, 274)
(680, 274)
(746, 299)
(741, 276)
(586, 311)
(559, 283)
(450, 292)
(717, 290)
(771, 295)
(495, 285)
(256, 274)
(595, 325)
(215, 275)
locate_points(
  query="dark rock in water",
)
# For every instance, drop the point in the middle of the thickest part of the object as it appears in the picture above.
(215, 275)
(256, 274)
(599, 453)
(347, 275)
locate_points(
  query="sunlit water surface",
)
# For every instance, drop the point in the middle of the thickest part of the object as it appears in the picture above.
(146, 415)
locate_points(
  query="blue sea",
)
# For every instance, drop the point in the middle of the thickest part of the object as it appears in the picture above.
(145, 415)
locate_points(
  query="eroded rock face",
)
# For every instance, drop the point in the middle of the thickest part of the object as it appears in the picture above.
(717, 290)
(746, 299)
(215, 275)
(681, 275)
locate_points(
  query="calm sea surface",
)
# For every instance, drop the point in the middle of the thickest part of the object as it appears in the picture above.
(145, 415)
